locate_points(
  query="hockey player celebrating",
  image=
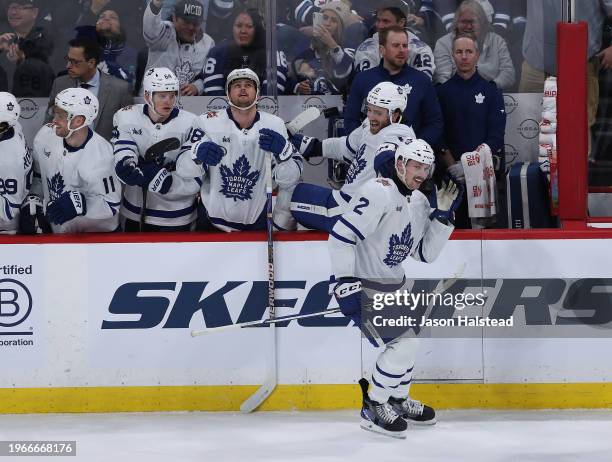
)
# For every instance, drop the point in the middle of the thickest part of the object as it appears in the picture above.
(155, 197)
(316, 207)
(227, 153)
(15, 164)
(387, 221)
(73, 168)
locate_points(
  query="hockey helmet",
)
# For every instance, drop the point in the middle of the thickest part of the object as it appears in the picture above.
(417, 150)
(242, 73)
(9, 109)
(389, 96)
(78, 102)
(160, 79)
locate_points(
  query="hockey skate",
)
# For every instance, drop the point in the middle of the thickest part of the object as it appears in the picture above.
(380, 417)
(413, 411)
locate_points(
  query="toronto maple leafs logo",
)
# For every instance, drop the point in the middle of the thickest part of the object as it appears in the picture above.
(479, 98)
(356, 167)
(56, 186)
(87, 100)
(10, 106)
(238, 182)
(399, 247)
(184, 72)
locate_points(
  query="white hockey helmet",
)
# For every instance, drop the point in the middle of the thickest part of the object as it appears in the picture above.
(389, 96)
(160, 79)
(78, 102)
(418, 150)
(242, 73)
(9, 109)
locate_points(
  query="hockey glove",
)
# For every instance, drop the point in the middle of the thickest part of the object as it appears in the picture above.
(307, 146)
(447, 199)
(157, 178)
(207, 153)
(127, 170)
(274, 142)
(384, 164)
(32, 218)
(348, 294)
(69, 205)
(456, 172)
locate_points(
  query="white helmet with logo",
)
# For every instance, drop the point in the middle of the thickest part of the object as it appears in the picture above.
(77, 102)
(159, 79)
(9, 109)
(418, 150)
(242, 73)
(389, 96)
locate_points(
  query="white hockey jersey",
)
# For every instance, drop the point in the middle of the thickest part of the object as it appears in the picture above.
(187, 60)
(234, 191)
(359, 149)
(133, 134)
(88, 169)
(420, 55)
(15, 177)
(380, 229)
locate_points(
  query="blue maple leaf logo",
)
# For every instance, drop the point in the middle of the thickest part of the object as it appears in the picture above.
(238, 182)
(399, 247)
(357, 166)
(56, 186)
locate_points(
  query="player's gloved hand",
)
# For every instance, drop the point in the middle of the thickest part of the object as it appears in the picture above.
(127, 170)
(69, 205)
(207, 153)
(384, 163)
(32, 218)
(447, 200)
(157, 178)
(348, 294)
(274, 142)
(307, 146)
(456, 171)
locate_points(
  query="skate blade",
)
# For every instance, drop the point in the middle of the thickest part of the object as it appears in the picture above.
(371, 427)
(417, 423)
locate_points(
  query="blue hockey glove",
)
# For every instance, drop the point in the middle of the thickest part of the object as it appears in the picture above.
(32, 218)
(207, 153)
(274, 142)
(69, 205)
(348, 294)
(307, 146)
(384, 164)
(446, 201)
(127, 170)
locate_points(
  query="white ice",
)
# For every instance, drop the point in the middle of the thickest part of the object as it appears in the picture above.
(555, 436)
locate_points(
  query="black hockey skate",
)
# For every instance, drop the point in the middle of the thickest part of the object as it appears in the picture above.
(380, 417)
(413, 411)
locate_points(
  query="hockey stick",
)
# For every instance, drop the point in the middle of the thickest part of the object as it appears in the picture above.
(302, 119)
(270, 383)
(444, 285)
(155, 153)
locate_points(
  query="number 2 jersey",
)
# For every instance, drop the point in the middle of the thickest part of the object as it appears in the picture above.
(380, 229)
(234, 191)
(15, 177)
(88, 169)
(134, 132)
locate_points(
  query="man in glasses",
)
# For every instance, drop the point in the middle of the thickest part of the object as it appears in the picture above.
(82, 71)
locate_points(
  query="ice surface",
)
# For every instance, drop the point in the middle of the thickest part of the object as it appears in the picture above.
(556, 436)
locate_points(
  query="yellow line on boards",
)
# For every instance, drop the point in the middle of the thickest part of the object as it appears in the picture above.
(299, 397)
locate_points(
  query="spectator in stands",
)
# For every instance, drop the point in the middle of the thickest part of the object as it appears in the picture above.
(247, 48)
(325, 67)
(540, 46)
(473, 110)
(394, 13)
(82, 65)
(494, 63)
(26, 48)
(180, 44)
(423, 110)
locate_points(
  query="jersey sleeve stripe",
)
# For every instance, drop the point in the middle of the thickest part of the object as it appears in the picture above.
(352, 227)
(198, 181)
(213, 77)
(348, 145)
(420, 249)
(160, 213)
(343, 239)
(7, 210)
(125, 149)
(125, 142)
